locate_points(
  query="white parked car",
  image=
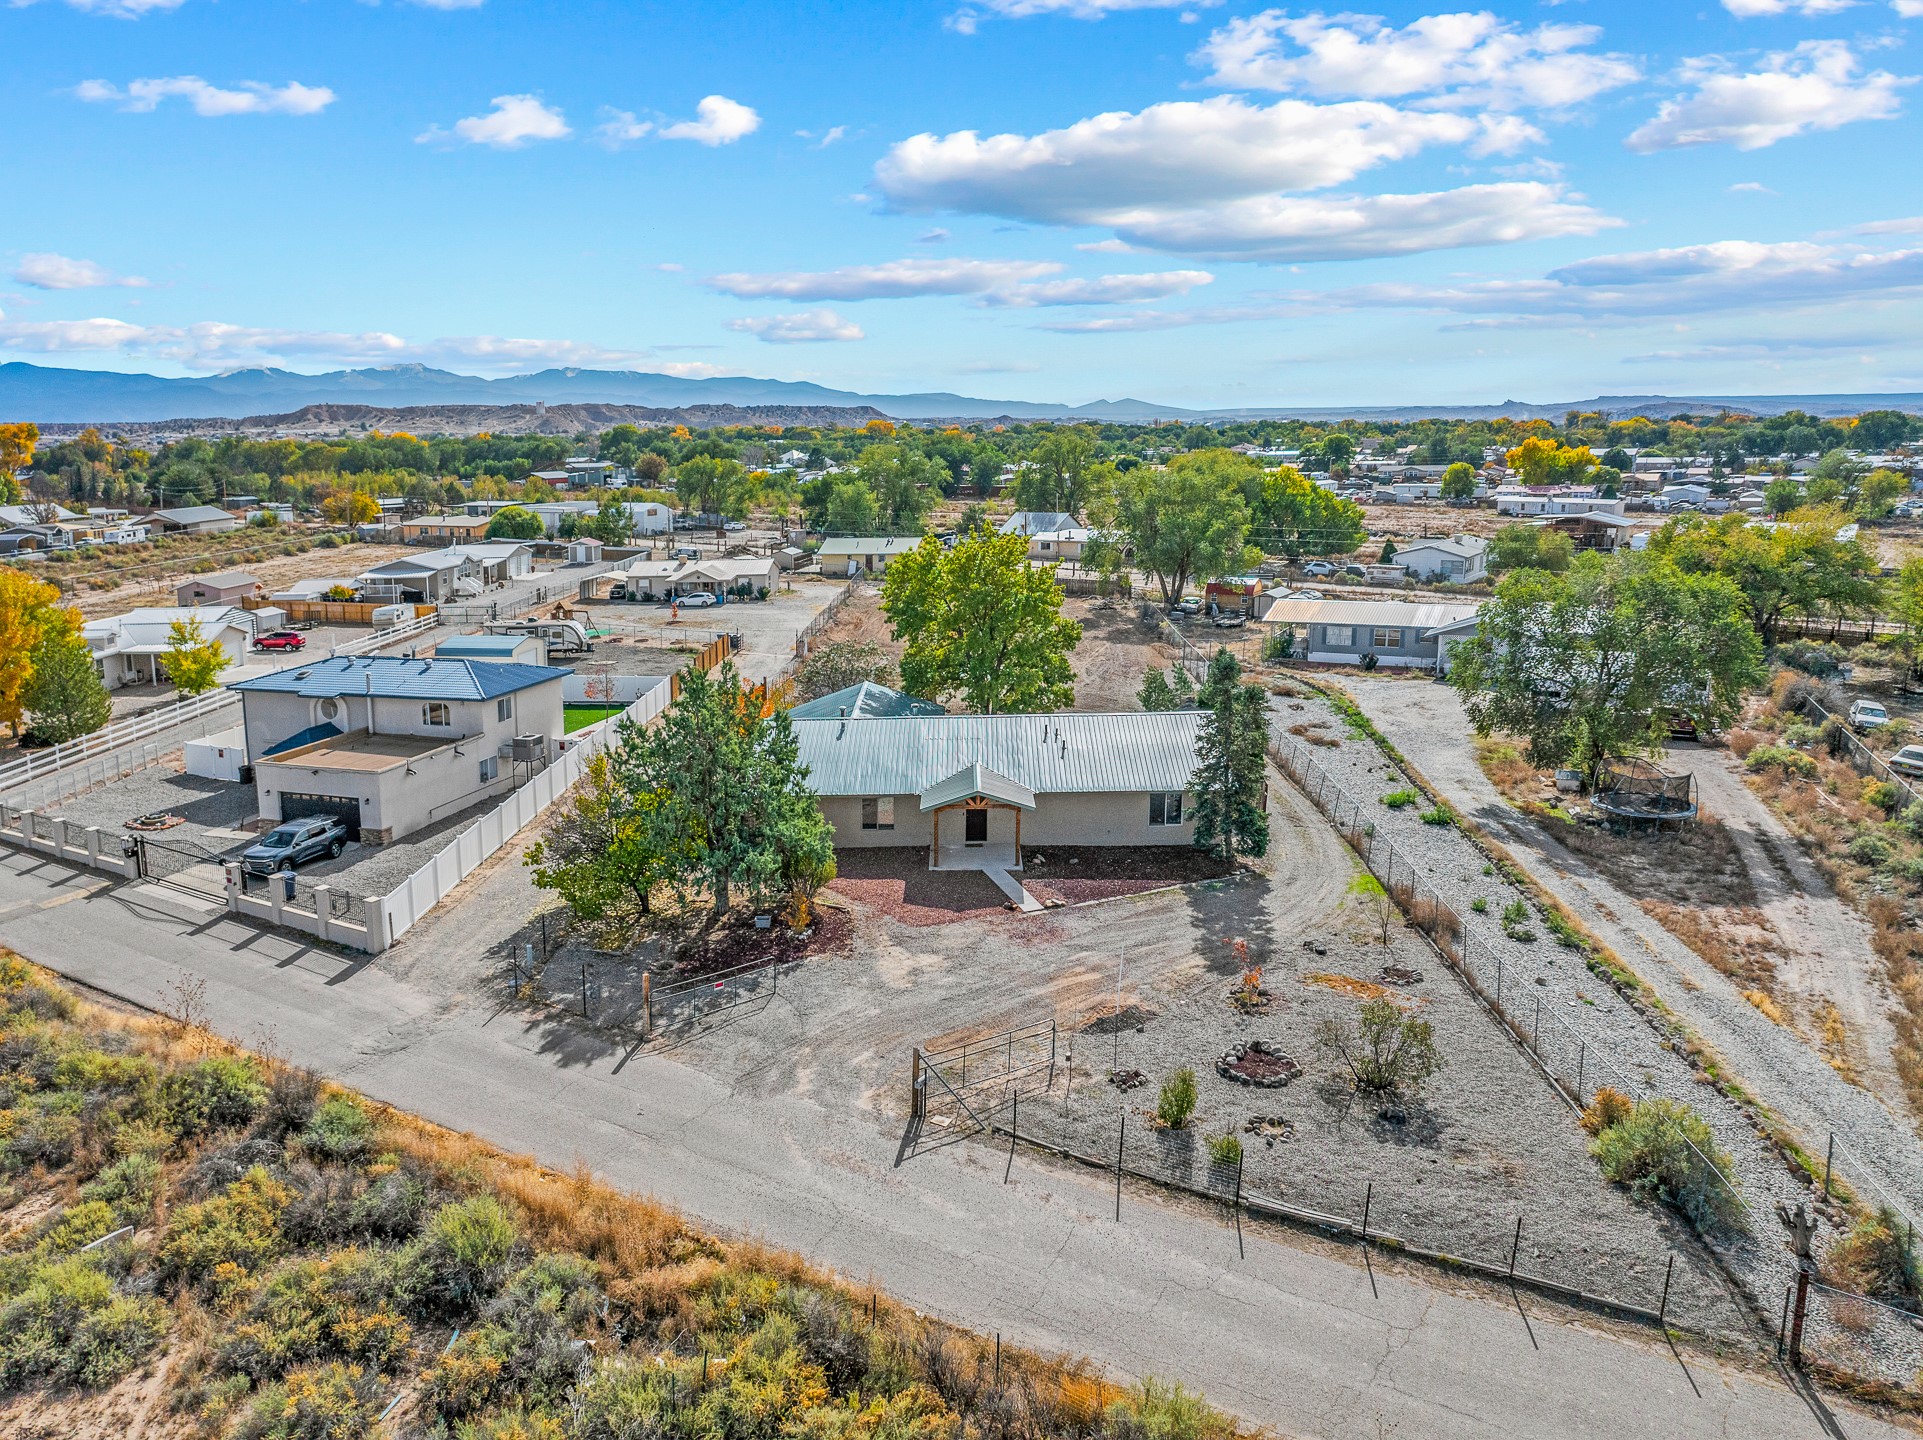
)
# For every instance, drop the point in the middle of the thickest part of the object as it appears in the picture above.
(1867, 715)
(696, 601)
(1908, 760)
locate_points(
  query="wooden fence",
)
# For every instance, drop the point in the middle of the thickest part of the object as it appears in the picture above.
(712, 654)
(329, 612)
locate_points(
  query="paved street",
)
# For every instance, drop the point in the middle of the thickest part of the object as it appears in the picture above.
(1298, 1335)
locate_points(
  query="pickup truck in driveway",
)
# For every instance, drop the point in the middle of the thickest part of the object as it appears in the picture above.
(294, 842)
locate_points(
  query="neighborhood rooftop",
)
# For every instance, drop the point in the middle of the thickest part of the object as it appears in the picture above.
(1081, 752)
(864, 700)
(391, 678)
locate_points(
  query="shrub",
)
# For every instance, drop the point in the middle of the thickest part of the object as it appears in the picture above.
(466, 1249)
(1226, 1149)
(1912, 820)
(1515, 922)
(1801, 734)
(1793, 763)
(80, 1225)
(322, 1402)
(218, 1092)
(1663, 1149)
(1875, 1258)
(1175, 1104)
(66, 1324)
(1279, 644)
(1822, 661)
(340, 1130)
(1480, 905)
(1884, 796)
(1385, 1051)
(1869, 848)
(1608, 1106)
(344, 1305)
(1397, 799)
(228, 1236)
(1440, 815)
(515, 1424)
(130, 1185)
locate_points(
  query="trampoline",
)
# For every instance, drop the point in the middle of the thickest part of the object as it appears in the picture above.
(1635, 792)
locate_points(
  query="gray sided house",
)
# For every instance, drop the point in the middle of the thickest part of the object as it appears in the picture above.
(1401, 634)
(974, 789)
(391, 745)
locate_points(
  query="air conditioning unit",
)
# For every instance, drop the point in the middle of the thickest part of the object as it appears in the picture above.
(526, 749)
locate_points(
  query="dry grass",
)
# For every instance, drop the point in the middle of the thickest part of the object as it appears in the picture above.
(1355, 989)
(1737, 940)
(1313, 731)
(1764, 1003)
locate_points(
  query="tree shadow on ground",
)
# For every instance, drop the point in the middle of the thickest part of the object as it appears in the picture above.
(1234, 908)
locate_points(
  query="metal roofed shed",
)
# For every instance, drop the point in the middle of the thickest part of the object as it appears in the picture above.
(1079, 778)
(864, 700)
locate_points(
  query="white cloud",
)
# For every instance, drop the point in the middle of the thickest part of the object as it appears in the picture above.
(720, 121)
(826, 138)
(892, 280)
(513, 121)
(1111, 246)
(803, 327)
(937, 236)
(252, 98)
(118, 9)
(1908, 9)
(1459, 59)
(1750, 187)
(619, 127)
(1181, 152)
(1102, 290)
(1813, 87)
(59, 272)
(1750, 9)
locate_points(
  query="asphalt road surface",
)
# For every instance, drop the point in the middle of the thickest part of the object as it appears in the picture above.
(1298, 1335)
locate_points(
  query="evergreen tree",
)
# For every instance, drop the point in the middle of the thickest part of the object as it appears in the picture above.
(1231, 763)
(1173, 691)
(64, 697)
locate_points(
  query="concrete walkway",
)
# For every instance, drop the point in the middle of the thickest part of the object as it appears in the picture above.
(1297, 1336)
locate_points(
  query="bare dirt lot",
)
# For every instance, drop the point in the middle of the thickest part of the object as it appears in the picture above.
(156, 586)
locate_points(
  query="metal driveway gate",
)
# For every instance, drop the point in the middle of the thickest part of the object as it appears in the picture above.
(183, 865)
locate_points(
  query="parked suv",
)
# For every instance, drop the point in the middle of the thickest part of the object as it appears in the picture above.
(281, 640)
(1868, 715)
(294, 842)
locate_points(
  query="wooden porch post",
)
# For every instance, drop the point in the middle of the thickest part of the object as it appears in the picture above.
(1018, 838)
(934, 855)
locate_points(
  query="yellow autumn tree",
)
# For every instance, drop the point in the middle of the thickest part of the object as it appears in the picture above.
(879, 427)
(351, 507)
(1542, 461)
(28, 609)
(16, 453)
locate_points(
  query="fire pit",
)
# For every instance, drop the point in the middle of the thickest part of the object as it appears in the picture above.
(1127, 1080)
(1400, 975)
(1270, 1128)
(1258, 1063)
(159, 820)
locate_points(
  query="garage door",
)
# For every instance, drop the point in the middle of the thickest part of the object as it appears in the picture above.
(298, 807)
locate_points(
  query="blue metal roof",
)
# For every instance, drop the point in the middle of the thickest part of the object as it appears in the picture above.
(391, 678)
(326, 730)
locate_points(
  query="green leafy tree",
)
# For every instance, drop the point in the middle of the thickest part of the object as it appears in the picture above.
(981, 623)
(1061, 474)
(515, 523)
(1188, 521)
(1782, 495)
(611, 524)
(1231, 762)
(1800, 567)
(606, 849)
(708, 484)
(1459, 481)
(1530, 547)
(1906, 607)
(904, 483)
(1878, 493)
(1541, 461)
(1590, 664)
(851, 509)
(65, 698)
(1173, 691)
(1298, 517)
(194, 661)
(1337, 451)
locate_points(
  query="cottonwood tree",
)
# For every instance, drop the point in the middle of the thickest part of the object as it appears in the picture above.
(1592, 663)
(29, 610)
(1459, 481)
(904, 483)
(844, 663)
(1541, 461)
(1231, 762)
(1188, 521)
(982, 624)
(65, 696)
(515, 523)
(194, 661)
(851, 509)
(1060, 474)
(352, 507)
(1802, 566)
(1299, 517)
(1530, 547)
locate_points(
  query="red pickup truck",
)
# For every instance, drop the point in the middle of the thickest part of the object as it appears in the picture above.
(281, 640)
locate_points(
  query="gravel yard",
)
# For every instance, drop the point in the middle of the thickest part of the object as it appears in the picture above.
(1636, 1050)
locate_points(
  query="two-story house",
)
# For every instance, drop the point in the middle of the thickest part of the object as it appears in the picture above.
(396, 745)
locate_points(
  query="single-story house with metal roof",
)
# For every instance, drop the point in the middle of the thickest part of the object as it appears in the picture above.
(1399, 633)
(451, 528)
(1592, 531)
(864, 700)
(974, 789)
(1458, 559)
(131, 648)
(196, 520)
(723, 575)
(500, 560)
(870, 554)
(1037, 522)
(394, 745)
(433, 578)
(223, 587)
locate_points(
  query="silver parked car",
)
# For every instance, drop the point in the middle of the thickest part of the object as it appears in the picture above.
(294, 842)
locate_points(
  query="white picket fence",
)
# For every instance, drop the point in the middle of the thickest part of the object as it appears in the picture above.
(123, 735)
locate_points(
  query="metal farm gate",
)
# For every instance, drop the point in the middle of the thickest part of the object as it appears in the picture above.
(959, 1088)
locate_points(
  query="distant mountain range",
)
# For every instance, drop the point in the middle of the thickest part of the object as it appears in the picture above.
(50, 395)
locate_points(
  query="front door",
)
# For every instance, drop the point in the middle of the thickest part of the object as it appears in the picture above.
(975, 828)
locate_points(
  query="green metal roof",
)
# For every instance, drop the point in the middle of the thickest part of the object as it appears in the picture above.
(976, 780)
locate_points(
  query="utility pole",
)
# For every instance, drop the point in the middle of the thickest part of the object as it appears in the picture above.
(1802, 1230)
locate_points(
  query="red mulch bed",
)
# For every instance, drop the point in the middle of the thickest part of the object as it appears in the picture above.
(1073, 874)
(738, 942)
(897, 882)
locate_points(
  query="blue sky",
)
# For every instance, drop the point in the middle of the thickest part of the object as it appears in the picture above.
(1043, 199)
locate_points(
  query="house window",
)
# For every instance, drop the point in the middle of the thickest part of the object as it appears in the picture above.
(436, 712)
(490, 767)
(1388, 639)
(1165, 807)
(1339, 637)
(878, 813)
(504, 708)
